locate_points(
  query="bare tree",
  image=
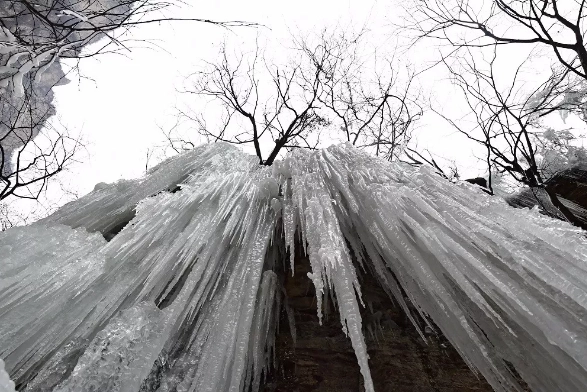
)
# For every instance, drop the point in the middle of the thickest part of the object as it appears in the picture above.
(325, 83)
(375, 110)
(34, 35)
(288, 116)
(507, 125)
(29, 160)
(8, 218)
(416, 158)
(554, 24)
(558, 26)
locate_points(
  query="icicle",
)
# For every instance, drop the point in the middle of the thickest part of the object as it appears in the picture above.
(262, 339)
(122, 354)
(430, 234)
(44, 270)
(329, 257)
(182, 293)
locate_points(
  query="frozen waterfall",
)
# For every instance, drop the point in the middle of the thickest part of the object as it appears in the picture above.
(167, 283)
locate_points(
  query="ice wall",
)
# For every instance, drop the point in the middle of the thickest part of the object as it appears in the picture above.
(183, 295)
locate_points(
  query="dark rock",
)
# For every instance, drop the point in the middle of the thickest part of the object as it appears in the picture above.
(478, 181)
(569, 185)
(322, 359)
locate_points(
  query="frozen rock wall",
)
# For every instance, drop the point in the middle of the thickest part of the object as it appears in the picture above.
(184, 295)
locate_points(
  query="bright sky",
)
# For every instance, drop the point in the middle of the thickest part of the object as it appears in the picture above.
(124, 100)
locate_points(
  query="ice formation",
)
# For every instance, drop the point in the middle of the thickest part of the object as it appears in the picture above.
(6, 384)
(167, 283)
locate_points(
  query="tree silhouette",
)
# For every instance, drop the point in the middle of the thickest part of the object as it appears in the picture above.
(327, 82)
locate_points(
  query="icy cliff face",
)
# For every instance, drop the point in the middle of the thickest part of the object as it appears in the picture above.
(183, 296)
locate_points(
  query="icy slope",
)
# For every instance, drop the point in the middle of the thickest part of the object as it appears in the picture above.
(184, 297)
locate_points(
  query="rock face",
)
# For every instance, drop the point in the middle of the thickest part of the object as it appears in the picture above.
(572, 186)
(322, 358)
(569, 185)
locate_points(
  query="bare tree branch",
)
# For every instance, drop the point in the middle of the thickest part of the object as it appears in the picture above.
(506, 126)
(557, 25)
(325, 83)
(34, 35)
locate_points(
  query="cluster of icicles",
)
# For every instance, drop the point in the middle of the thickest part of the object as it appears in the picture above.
(184, 297)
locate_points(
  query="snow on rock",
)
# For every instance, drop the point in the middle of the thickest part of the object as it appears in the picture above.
(6, 384)
(183, 296)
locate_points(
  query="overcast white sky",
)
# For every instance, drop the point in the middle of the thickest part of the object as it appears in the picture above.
(120, 109)
(121, 105)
